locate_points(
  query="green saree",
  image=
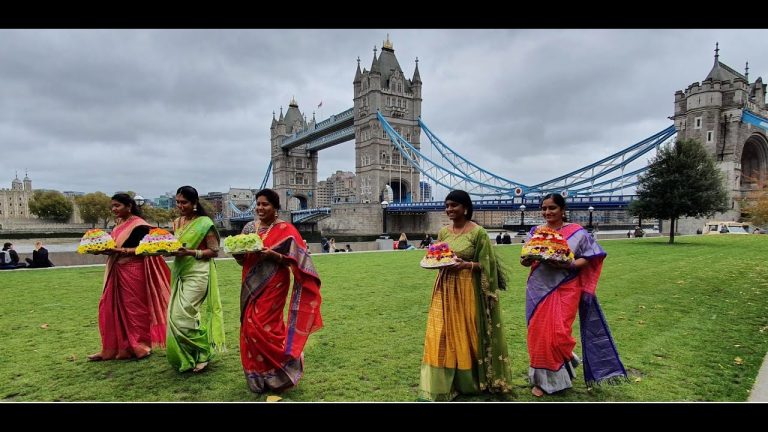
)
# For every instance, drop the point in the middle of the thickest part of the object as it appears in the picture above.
(193, 337)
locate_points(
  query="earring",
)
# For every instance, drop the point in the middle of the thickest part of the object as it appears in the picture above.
(194, 208)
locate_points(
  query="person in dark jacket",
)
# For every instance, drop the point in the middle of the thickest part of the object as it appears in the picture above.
(11, 258)
(507, 238)
(499, 240)
(39, 257)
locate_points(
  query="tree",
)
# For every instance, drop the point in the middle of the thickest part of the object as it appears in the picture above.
(682, 180)
(755, 206)
(95, 207)
(51, 205)
(209, 208)
(157, 215)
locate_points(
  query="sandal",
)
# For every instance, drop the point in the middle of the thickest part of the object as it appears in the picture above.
(95, 357)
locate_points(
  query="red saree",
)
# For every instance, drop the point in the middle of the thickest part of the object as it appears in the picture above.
(271, 348)
(134, 302)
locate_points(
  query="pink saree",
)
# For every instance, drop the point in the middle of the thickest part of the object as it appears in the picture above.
(133, 305)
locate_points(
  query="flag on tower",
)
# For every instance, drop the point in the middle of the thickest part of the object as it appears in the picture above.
(320, 104)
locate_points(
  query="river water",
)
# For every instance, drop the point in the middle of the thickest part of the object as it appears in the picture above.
(26, 246)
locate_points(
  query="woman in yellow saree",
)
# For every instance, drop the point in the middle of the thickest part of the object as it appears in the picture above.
(464, 349)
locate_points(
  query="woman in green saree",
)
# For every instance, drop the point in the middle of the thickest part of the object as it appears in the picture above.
(194, 335)
(464, 348)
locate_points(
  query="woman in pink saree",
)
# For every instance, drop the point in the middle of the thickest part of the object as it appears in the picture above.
(133, 305)
(554, 294)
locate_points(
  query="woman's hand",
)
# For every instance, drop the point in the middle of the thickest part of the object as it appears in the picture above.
(182, 251)
(109, 251)
(527, 261)
(270, 254)
(460, 264)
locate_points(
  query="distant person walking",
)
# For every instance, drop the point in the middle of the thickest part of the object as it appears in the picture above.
(39, 257)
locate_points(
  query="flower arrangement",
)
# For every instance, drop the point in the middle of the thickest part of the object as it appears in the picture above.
(439, 254)
(547, 244)
(95, 241)
(242, 243)
(158, 241)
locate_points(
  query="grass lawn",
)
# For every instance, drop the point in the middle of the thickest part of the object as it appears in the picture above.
(690, 321)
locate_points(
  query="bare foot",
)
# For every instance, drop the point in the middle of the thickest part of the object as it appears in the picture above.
(95, 357)
(537, 391)
(199, 367)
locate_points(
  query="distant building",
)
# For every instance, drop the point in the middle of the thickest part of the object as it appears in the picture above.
(240, 198)
(166, 201)
(14, 202)
(216, 199)
(426, 191)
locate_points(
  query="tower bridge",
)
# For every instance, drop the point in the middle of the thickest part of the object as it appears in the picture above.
(725, 111)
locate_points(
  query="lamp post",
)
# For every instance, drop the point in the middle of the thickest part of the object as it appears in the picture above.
(522, 217)
(139, 200)
(384, 205)
(589, 227)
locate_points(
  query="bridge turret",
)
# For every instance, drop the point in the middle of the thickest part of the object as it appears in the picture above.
(385, 89)
(711, 113)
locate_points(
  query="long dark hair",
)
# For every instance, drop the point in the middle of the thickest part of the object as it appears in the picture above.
(190, 194)
(126, 200)
(462, 198)
(559, 200)
(271, 196)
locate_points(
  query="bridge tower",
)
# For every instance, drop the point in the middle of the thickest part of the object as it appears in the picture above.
(294, 172)
(378, 163)
(711, 111)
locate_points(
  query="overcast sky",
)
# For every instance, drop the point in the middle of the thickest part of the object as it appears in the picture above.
(152, 110)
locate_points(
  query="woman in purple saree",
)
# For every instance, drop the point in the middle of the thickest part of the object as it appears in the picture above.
(554, 294)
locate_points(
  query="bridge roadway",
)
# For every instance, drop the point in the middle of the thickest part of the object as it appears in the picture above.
(607, 202)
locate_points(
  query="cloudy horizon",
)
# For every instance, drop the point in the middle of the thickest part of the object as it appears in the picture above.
(151, 110)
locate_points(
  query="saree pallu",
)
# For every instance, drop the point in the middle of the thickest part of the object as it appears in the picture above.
(271, 348)
(133, 304)
(193, 338)
(553, 297)
(465, 351)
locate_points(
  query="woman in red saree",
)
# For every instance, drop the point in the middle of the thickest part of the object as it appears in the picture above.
(271, 348)
(555, 293)
(133, 305)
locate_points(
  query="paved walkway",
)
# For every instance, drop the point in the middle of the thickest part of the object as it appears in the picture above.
(759, 391)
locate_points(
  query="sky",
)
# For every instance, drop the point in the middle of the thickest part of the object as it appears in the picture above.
(151, 110)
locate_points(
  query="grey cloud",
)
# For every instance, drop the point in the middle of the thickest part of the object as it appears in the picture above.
(150, 110)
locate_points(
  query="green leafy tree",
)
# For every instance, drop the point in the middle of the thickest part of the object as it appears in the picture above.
(681, 181)
(157, 215)
(52, 205)
(95, 207)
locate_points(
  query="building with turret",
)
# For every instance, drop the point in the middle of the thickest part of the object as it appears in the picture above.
(294, 171)
(14, 202)
(713, 112)
(385, 88)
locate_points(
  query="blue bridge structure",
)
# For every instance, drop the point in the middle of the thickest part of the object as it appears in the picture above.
(606, 184)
